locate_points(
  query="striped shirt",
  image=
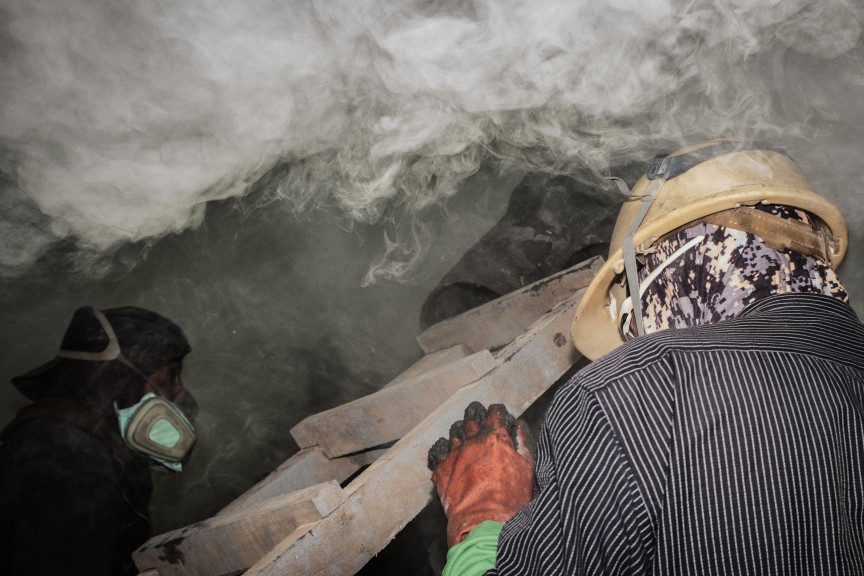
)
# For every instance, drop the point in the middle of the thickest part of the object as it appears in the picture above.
(733, 448)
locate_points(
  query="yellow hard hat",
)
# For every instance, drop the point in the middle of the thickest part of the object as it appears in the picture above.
(716, 182)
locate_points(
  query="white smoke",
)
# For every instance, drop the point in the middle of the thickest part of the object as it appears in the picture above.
(121, 120)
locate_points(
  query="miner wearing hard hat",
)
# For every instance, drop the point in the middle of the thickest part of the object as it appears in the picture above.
(720, 429)
(75, 464)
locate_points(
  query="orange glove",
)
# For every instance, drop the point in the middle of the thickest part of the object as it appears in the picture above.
(485, 471)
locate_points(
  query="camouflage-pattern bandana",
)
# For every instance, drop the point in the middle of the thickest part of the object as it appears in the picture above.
(724, 272)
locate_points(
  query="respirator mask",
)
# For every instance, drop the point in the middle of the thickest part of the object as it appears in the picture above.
(158, 428)
(154, 426)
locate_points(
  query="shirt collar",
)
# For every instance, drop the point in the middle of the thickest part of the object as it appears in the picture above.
(802, 302)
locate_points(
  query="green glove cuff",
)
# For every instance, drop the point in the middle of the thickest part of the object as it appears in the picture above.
(476, 553)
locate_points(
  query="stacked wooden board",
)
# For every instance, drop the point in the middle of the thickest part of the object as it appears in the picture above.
(301, 520)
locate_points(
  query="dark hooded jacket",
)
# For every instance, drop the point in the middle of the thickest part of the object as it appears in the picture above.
(68, 503)
(73, 497)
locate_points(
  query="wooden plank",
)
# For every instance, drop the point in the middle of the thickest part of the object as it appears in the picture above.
(230, 543)
(432, 361)
(496, 323)
(311, 465)
(305, 468)
(388, 414)
(394, 489)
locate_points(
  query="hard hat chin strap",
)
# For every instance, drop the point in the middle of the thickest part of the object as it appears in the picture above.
(625, 316)
(629, 252)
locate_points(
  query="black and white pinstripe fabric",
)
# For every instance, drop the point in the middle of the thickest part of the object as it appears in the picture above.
(733, 448)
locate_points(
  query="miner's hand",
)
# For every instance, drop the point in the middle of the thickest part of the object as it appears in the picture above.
(485, 471)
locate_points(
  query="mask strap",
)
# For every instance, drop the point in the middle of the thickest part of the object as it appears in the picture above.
(111, 352)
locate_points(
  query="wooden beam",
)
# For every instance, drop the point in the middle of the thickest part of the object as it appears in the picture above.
(388, 414)
(396, 487)
(311, 465)
(230, 543)
(496, 323)
(430, 362)
(305, 468)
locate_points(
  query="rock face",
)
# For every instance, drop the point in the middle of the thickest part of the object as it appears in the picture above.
(551, 223)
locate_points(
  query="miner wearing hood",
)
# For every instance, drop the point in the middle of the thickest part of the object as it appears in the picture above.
(720, 428)
(75, 464)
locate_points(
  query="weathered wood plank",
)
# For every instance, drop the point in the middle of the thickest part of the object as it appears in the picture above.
(389, 413)
(496, 323)
(230, 543)
(311, 465)
(394, 489)
(305, 468)
(430, 362)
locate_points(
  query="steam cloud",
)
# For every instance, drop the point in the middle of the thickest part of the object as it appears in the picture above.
(120, 121)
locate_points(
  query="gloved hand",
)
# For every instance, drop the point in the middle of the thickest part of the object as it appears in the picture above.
(485, 471)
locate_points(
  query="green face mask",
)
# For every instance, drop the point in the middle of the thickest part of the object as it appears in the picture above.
(157, 427)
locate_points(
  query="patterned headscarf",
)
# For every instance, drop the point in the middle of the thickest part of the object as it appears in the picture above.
(719, 275)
